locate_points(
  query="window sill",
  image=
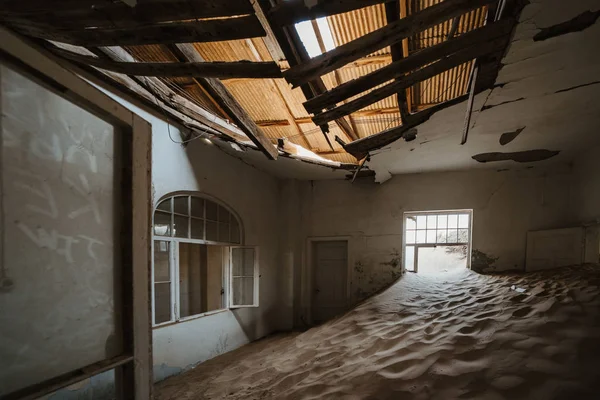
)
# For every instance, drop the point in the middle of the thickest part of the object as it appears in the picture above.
(190, 318)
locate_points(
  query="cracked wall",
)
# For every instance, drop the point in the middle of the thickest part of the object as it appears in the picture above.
(505, 206)
(548, 86)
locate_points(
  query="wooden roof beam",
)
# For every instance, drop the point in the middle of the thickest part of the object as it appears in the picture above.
(221, 70)
(392, 14)
(477, 37)
(176, 32)
(350, 130)
(405, 53)
(293, 11)
(361, 148)
(218, 91)
(294, 52)
(79, 14)
(275, 89)
(430, 71)
(376, 40)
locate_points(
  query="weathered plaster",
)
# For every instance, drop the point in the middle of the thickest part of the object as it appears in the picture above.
(549, 86)
(371, 215)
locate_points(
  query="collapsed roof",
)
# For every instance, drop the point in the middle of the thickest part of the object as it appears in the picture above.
(328, 81)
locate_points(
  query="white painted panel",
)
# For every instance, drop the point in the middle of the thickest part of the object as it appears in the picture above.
(330, 265)
(57, 304)
(554, 248)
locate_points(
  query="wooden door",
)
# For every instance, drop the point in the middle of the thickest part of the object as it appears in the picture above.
(330, 272)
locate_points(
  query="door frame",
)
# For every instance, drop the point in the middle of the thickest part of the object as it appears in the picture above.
(308, 278)
(418, 246)
(133, 368)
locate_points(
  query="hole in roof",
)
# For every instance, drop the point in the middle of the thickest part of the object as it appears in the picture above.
(309, 37)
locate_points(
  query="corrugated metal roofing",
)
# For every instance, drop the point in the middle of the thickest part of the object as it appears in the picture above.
(272, 101)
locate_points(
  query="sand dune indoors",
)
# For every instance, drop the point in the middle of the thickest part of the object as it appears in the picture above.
(458, 335)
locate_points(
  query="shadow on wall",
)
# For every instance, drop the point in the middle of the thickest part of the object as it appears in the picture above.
(375, 273)
(251, 329)
(482, 263)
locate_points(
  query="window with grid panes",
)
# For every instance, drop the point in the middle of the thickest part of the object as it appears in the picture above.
(196, 251)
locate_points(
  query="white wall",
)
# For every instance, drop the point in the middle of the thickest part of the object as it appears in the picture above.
(505, 206)
(254, 195)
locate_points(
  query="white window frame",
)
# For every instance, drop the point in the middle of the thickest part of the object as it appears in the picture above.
(417, 246)
(255, 276)
(174, 262)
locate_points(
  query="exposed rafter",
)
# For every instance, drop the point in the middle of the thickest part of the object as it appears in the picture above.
(430, 71)
(218, 91)
(352, 133)
(78, 14)
(361, 148)
(275, 89)
(294, 51)
(478, 37)
(221, 70)
(392, 14)
(293, 11)
(175, 32)
(376, 40)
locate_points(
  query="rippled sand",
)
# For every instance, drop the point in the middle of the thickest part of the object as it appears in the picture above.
(456, 336)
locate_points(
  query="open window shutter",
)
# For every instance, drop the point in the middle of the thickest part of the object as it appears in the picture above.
(243, 277)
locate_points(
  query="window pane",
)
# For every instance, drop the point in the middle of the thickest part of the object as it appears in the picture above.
(411, 223)
(441, 236)
(214, 276)
(197, 228)
(235, 231)
(200, 278)
(180, 204)
(421, 222)
(211, 231)
(420, 236)
(181, 226)
(409, 258)
(410, 237)
(242, 260)
(442, 221)
(223, 232)
(463, 220)
(211, 211)
(192, 265)
(431, 221)
(162, 223)
(243, 291)
(431, 236)
(452, 236)
(162, 302)
(223, 214)
(453, 221)
(197, 207)
(162, 271)
(463, 236)
(164, 205)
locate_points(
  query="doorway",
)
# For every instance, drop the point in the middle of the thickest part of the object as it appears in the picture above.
(330, 276)
(437, 241)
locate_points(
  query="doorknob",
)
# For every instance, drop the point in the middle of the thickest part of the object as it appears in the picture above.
(317, 291)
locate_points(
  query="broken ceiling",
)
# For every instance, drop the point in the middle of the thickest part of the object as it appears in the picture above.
(378, 71)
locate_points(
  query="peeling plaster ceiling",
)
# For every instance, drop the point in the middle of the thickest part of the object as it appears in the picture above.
(549, 90)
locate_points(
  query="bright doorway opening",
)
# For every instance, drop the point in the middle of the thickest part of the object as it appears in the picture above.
(437, 242)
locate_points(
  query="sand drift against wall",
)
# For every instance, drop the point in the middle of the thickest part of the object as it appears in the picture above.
(459, 335)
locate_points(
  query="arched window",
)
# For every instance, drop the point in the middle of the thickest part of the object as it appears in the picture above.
(198, 265)
(190, 216)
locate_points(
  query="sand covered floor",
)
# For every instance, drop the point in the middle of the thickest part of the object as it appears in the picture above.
(459, 335)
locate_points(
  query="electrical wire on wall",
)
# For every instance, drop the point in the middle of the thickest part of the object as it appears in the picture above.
(205, 134)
